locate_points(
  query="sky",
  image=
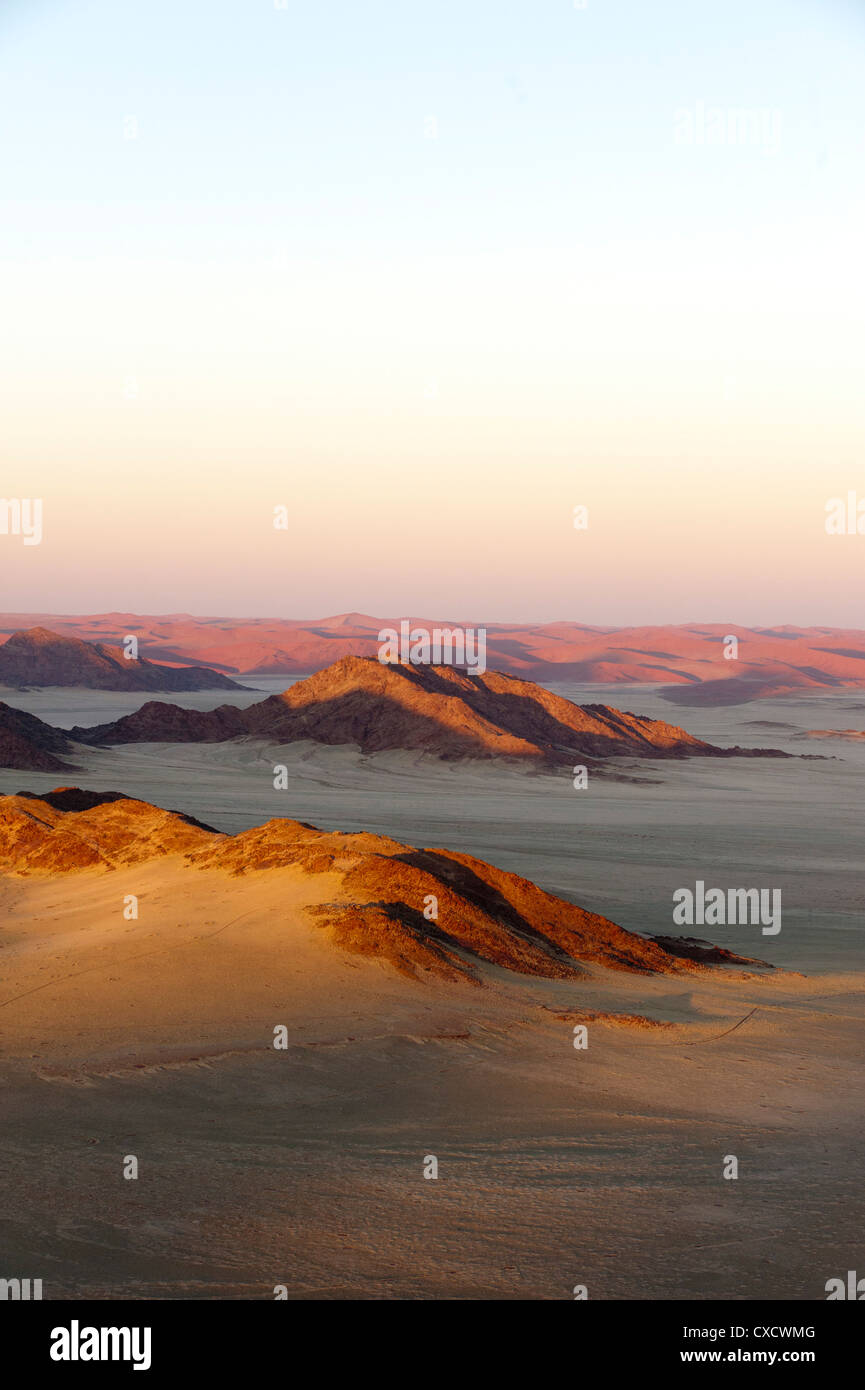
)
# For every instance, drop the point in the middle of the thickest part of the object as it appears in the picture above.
(428, 277)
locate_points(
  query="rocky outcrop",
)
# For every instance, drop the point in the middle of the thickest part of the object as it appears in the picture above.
(424, 911)
(30, 745)
(439, 710)
(42, 658)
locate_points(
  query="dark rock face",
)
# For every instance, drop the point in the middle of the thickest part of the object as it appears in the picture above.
(39, 657)
(705, 952)
(29, 744)
(157, 722)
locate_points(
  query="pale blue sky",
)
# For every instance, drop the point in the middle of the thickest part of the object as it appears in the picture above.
(303, 128)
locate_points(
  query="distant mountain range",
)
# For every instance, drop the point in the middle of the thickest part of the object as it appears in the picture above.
(37, 657)
(374, 889)
(688, 659)
(429, 709)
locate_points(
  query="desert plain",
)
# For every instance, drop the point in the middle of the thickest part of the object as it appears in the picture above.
(303, 1166)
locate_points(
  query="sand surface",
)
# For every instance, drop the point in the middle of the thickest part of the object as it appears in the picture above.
(304, 1167)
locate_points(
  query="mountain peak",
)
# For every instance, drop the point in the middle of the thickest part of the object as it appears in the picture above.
(443, 711)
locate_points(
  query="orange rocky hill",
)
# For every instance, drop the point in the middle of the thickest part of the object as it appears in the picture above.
(373, 889)
(439, 710)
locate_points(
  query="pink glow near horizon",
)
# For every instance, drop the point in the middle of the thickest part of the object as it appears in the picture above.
(672, 547)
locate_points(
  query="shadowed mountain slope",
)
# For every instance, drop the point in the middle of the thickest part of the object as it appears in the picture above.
(29, 744)
(43, 658)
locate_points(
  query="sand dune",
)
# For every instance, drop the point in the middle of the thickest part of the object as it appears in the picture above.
(854, 735)
(304, 1165)
(428, 912)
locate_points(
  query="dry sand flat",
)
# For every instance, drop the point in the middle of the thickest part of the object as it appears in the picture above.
(304, 1167)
